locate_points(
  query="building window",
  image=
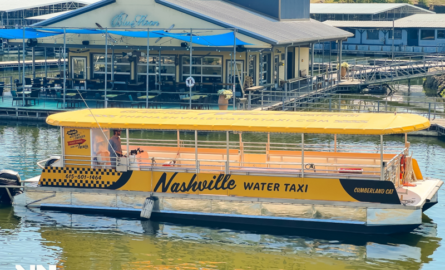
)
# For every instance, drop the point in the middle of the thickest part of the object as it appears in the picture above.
(427, 35)
(441, 34)
(204, 69)
(397, 34)
(160, 69)
(372, 34)
(121, 67)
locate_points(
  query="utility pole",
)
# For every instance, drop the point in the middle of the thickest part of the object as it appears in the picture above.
(392, 48)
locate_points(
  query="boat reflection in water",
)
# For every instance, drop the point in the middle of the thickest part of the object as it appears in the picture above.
(76, 241)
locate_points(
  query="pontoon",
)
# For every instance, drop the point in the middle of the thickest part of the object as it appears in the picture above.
(294, 185)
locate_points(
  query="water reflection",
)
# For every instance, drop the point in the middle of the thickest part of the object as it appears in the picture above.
(76, 241)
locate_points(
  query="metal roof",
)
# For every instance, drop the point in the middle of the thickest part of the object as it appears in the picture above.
(47, 16)
(8, 5)
(413, 21)
(362, 8)
(360, 24)
(256, 25)
(422, 21)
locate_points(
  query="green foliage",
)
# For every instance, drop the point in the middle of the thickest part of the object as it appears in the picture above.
(403, 1)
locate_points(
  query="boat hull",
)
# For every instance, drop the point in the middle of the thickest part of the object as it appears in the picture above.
(290, 214)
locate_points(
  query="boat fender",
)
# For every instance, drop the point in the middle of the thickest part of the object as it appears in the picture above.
(147, 208)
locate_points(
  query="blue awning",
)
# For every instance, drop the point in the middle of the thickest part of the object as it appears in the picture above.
(18, 34)
(213, 40)
(226, 39)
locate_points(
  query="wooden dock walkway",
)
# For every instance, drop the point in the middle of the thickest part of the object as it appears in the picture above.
(440, 126)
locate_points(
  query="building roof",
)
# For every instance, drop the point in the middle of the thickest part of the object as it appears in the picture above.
(422, 21)
(413, 21)
(362, 8)
(360, 24)
(47, 16)
(14, 5)
(248, 121)
(256, 25)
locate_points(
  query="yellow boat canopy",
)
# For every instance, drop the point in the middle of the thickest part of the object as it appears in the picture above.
(248, 121)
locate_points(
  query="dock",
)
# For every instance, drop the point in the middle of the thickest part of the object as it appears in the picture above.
(439, 125)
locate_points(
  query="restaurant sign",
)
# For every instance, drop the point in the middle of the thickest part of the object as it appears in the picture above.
(123, 20)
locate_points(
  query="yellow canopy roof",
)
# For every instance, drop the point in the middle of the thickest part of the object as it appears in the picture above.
(261, 121)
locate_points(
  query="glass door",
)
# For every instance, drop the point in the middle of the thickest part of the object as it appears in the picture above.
(79, 68)
(239, 69)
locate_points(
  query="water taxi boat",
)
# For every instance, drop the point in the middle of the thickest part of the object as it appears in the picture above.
(296, 185)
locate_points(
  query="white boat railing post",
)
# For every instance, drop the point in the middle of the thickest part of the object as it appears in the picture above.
(128, 148)
(24, 67)
(302, 155)
(381, 158)
(228, 153)
(62, 143)
(196, 151)
(335, 142)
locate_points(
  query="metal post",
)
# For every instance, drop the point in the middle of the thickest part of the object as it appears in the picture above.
(112, 65)
(23, 69)
(128, 148)
(178, 138)
(330, 104)
(392, 47)
(106, 67)
(312, 59)
(228, 153)
(285, 71)
(302, 155)
(196, 151)
(381, 158)
(33, 64)
(64, 67)
(429, 110)
(298, 71)
(46, 64)
(378, 106)
(191, 59)
(340, 52)
(147, 81)
(233, 69)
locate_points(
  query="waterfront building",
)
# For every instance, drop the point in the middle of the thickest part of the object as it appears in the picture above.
(416, 30)
(272, 47)
(17, 13)
(364, 11)
(420, 33)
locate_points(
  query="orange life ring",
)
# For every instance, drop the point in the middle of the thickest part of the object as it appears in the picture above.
(402, 166)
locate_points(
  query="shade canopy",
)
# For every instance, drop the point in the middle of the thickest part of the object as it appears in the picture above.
(227, 39)
(247, 121)
(18, 34)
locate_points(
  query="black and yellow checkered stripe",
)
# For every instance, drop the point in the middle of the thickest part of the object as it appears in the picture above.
(79, 177)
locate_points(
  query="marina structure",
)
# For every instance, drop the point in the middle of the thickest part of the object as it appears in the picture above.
(19, 12)
(118, 56)
(416, 30)
(293, 185)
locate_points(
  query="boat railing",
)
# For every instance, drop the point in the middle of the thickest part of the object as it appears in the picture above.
(392, 168)
(239, 167)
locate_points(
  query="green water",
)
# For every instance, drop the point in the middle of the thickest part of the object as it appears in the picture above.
(74, 241)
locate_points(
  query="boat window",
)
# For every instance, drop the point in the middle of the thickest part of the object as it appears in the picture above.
(441, 34)
(397, 34)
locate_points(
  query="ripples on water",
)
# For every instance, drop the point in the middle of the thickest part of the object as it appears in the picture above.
(73, 241)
